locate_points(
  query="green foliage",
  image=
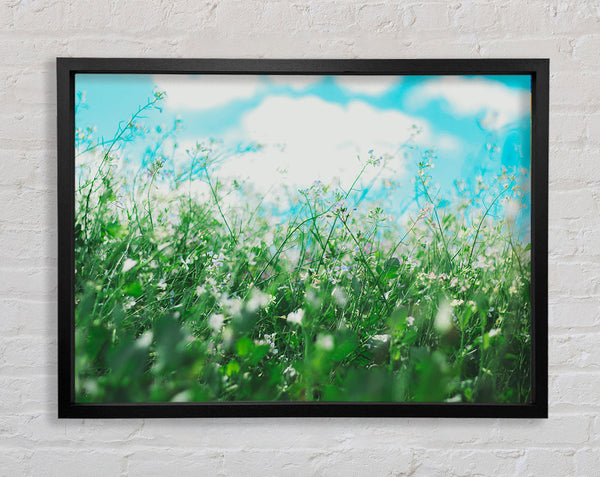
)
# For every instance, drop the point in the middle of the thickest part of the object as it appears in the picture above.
(179, 299)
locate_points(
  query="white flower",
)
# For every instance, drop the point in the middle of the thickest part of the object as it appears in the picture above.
(290, 371)
(410, 320)
(257, 300)
(161, 233)
(215, 322)
(296, 316)
(313, 298)
(128, 264)
(144, 341)
(443, 320)
(481, 263)
(325, 342)
(200, 290)
(339, 295)
(233, 305)
(454, 303)
(129, 304)
(381, 338)
(493, 332)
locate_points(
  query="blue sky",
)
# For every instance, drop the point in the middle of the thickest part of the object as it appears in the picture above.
(314, 127)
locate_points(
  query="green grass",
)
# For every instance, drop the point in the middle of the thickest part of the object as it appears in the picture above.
(179, 299)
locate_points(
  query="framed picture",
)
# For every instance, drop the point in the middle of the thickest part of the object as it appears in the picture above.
(302, 237)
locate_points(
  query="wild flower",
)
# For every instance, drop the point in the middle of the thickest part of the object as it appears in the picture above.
(339, 296)
(289, 371)
(382, 338)
(325, 342)
(481, 263)
(216, 261)
(215, 322)
(373, 160)
(129, 304)
(258, 300)
(312, 297)
(426, 211)
(342, 210)
(443, 319)
(232, 305)
(296, 317)
(129, 264)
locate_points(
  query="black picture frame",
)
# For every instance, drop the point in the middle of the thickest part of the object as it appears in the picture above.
(67, 68)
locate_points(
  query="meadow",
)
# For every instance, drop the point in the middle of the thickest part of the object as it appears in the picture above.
(182, 297)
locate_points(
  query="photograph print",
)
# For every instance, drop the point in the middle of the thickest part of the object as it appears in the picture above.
(302, 238)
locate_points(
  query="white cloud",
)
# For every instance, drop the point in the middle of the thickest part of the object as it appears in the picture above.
(496, 103)
(448, 143)
(297, 83)
(369, 85)
(206, 91)
(308, 139)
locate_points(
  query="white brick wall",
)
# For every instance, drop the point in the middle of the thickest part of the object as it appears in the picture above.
(34, 442)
